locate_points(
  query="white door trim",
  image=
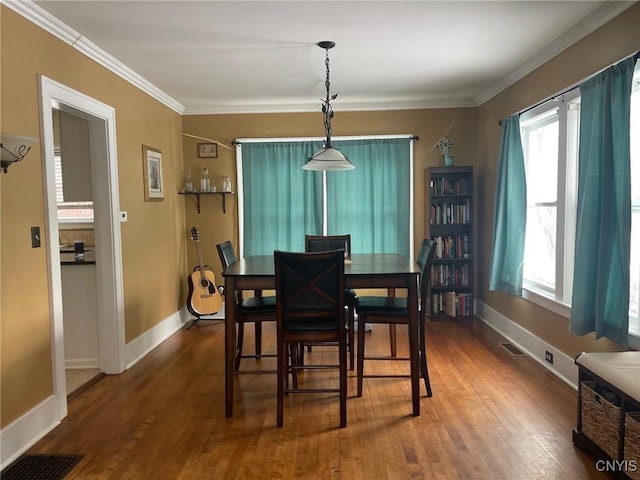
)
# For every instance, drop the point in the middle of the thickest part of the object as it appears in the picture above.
(108, 252)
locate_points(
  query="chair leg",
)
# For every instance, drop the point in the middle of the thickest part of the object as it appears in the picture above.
(343, 384)
(360, 367)
(351, 333)
(392, 340)
(391, 292)
(283, 361)
(239, 344)
(258, 339)
(423, 358)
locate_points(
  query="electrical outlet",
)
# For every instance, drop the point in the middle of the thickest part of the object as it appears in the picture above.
(548, 356)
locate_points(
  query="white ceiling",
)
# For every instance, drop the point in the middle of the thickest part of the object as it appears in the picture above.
(242, 56)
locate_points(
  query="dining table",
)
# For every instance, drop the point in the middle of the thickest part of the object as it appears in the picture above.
(362, 271)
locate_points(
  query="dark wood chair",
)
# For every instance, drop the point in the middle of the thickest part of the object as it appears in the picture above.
(323, 243)
(394, 310)
(309, 309)
(256, 309)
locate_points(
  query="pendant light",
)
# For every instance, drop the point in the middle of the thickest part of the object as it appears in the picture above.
(328, 158)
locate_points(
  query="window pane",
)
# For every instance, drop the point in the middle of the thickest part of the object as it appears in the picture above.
(540, 247)
(542, 162)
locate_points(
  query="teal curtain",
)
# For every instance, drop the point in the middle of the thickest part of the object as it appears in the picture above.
(372, 202)
(282, 202)
(510, 212)
(600, 300)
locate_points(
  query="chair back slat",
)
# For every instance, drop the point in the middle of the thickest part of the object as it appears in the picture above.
(323, 243)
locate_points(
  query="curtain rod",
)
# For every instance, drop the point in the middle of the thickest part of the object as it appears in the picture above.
(564, 92)
(346, 138)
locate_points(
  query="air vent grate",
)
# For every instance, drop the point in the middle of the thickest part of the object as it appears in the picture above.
(40, 467)
(512, 349)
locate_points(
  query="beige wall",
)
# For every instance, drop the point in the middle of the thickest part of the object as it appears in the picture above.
(153, 240)
(611, 43)
(429, 125)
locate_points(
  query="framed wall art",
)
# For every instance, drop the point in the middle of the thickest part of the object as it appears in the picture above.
(207, 150)
(152, 167)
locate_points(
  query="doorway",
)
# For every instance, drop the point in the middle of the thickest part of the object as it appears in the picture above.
(108, 252)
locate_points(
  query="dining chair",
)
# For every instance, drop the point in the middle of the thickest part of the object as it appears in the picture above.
(322, 243)
(394, 310)
(256, 309)
(309, 308)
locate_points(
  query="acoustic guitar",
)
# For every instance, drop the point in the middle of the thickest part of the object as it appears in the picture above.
(204, 297)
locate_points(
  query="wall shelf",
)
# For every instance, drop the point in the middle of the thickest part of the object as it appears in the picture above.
(197, 195)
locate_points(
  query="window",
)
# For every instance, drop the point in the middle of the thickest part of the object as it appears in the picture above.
(278, 202)
(69, 212)
(549, 140)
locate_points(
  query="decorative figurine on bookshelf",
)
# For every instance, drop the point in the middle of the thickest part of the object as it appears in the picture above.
(445, 144)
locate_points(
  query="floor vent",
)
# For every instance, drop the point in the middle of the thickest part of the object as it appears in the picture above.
(40, 467)
(512, 349)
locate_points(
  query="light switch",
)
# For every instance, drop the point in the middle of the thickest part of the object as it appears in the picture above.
(123, 217)
(35, 237)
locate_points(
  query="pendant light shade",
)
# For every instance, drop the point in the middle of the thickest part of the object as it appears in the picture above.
(329, 158)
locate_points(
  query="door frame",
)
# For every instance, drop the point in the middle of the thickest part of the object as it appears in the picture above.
(104, 183)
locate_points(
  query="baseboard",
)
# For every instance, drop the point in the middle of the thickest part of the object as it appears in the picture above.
(17, 437)
(135, 350)
(81, 363)
(563, 365)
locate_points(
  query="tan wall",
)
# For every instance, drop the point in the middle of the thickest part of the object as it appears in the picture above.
(153, 241)
(429, 125)
(611, 43)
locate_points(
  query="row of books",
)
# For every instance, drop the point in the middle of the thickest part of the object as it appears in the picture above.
(458, 246)
(450, 186)
(451, 213)
(450, 276)
(452, 304)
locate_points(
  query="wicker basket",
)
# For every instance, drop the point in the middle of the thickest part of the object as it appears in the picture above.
(600, 419)
(632, 444)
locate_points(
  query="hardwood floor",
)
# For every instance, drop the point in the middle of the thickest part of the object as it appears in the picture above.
(492, 416)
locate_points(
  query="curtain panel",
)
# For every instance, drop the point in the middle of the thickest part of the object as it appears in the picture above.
(600, 300)
(510, 212)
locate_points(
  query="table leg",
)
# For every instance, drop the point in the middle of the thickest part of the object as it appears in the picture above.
(412, 299)
(229, 342)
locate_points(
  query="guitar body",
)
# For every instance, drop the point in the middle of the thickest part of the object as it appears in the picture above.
(204, 297)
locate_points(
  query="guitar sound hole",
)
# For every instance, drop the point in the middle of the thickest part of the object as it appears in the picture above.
(204, 283)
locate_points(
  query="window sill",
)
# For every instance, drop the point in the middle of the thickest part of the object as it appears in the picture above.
(541, 299)
(564, 310)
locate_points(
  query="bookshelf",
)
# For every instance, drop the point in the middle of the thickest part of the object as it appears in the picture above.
(449, 222)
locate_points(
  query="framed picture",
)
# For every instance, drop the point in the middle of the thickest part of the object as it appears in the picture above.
(152, 166)
(207, 150)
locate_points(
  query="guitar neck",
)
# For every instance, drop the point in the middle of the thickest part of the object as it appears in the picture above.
(200, 261)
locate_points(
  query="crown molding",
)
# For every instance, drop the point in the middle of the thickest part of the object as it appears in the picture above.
(598, 18)
(53, 25)
(342, 107)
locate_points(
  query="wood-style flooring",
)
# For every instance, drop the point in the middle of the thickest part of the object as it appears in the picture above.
(492, 416)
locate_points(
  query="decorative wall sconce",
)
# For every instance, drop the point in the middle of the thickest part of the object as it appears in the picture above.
(13, 148)
(328, 158)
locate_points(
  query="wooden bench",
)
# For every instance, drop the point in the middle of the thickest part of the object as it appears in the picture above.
(608, 425)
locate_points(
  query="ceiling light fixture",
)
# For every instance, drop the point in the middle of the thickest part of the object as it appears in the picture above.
(328, 158)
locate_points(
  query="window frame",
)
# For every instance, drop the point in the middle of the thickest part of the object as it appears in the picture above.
(240, 193)
(568, 104)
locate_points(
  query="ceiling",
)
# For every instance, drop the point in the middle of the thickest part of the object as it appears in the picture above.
(243, 56)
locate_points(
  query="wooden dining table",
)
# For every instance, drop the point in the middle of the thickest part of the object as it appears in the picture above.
(362, 271)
